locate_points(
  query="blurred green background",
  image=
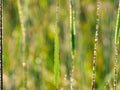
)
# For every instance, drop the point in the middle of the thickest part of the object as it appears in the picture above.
(40, 27)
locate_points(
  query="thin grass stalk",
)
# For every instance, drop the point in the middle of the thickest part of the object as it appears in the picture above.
(95, 46)
(56, 52)
(72, 28)
(117, 31)
(115, 68)
(22, 21)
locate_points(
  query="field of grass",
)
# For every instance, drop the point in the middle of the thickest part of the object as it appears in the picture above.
(51, 44)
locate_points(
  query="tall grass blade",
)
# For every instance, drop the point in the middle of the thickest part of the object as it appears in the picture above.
(72, 26)
(56, 52)
(117, 31)
(22, 21)
(95, 45)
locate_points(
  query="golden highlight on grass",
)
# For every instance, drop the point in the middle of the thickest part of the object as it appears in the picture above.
(56, 51)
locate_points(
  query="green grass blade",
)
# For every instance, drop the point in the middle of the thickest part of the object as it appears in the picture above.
(72, 27)
(56, 52)
(117, 31)
(21, 8)
(73, 33)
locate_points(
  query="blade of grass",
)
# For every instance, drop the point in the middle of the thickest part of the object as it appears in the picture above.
(95, 46)
(72, 27)
(56, 52)
(116, 47)
(22, 22)
(117, 31)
